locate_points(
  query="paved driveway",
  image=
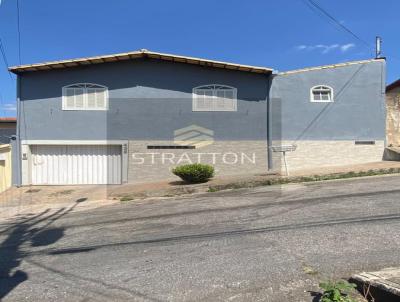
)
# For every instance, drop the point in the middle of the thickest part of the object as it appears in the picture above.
(265, 244)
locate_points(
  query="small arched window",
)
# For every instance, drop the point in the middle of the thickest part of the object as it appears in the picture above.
(321, 93)
(214, 97)
(85, 96)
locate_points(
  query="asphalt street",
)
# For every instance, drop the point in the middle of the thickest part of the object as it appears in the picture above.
(265, 244)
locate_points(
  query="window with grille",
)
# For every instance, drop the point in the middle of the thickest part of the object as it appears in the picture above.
(322, 94)
(85, 96)
(214, 98)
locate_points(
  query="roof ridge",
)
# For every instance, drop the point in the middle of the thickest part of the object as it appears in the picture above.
(344, 64)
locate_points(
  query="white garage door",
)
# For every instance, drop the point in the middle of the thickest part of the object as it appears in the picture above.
(76, 164)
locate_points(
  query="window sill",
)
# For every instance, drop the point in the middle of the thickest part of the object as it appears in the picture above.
(80, 109)
(314, 101)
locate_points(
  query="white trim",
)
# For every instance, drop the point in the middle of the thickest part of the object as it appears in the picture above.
(312, 100)
(73, 142)
(137, 54)
(330, 66)
(213, 87)
(84, 86)
(26, 164)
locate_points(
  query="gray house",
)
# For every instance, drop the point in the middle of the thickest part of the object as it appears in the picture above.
(131, 117)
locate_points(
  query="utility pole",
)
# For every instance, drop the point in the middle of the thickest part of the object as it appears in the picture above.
(378, 44)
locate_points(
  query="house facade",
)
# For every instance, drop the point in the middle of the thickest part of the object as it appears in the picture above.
(349, 128)
(132, 117)
(8, 126)
(7, 131)
(393, 114)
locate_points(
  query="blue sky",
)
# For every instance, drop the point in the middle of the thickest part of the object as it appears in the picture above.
(282, 34)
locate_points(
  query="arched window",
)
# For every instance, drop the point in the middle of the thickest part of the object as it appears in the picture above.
(321, 93)
(85, 96)
(214, 97)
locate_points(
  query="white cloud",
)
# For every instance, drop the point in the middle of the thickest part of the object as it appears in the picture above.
(301, 47)
(9, 107)
(327, 48)
(346, 47)
(324, 49)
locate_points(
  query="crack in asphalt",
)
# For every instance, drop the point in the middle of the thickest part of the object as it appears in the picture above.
(219, 235)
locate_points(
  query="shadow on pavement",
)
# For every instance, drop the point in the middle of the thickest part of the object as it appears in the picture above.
(34, 231)
(223, 234)
(316, 296)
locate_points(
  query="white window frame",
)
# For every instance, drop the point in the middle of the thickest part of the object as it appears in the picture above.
(325, 87)
(214, 88)
(85, 87)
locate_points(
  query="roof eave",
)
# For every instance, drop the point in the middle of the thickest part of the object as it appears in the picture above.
(134, 55)
(8, 120)
(393, 85)
(331, 66)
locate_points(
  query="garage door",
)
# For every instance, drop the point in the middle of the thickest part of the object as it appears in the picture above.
(76, 164)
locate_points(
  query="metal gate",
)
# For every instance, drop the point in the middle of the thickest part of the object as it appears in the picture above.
(76, 164)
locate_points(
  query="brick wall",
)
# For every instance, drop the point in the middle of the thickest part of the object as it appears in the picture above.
(228, 158)
(244, 157)
(315, 154)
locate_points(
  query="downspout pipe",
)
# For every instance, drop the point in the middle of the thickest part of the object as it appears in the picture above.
(269, 122)
(18, 138)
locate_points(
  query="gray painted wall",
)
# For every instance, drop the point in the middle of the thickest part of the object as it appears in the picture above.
(357, 113)
(149, 99)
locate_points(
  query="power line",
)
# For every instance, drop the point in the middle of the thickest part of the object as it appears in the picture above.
(328, 106)
(315, 7)
(3, 54)
(2, 105)
(19, 33)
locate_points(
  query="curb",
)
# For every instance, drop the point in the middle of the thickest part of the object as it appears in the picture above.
(382, 285)
(252, 182)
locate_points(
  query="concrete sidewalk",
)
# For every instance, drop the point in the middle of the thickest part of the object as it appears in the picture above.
(383, 285)
(171, 188)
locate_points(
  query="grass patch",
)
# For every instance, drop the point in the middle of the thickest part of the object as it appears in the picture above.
(32, 191)
(300, 179)
(309, 270)
(126, 198)
(60, 193)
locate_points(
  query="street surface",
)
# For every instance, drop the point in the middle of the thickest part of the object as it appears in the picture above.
(264, 244)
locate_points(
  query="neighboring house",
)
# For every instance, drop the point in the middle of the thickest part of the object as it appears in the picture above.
(8, 127)
(393, 114)
(7, 130)
(131, 117)
(5, 167)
